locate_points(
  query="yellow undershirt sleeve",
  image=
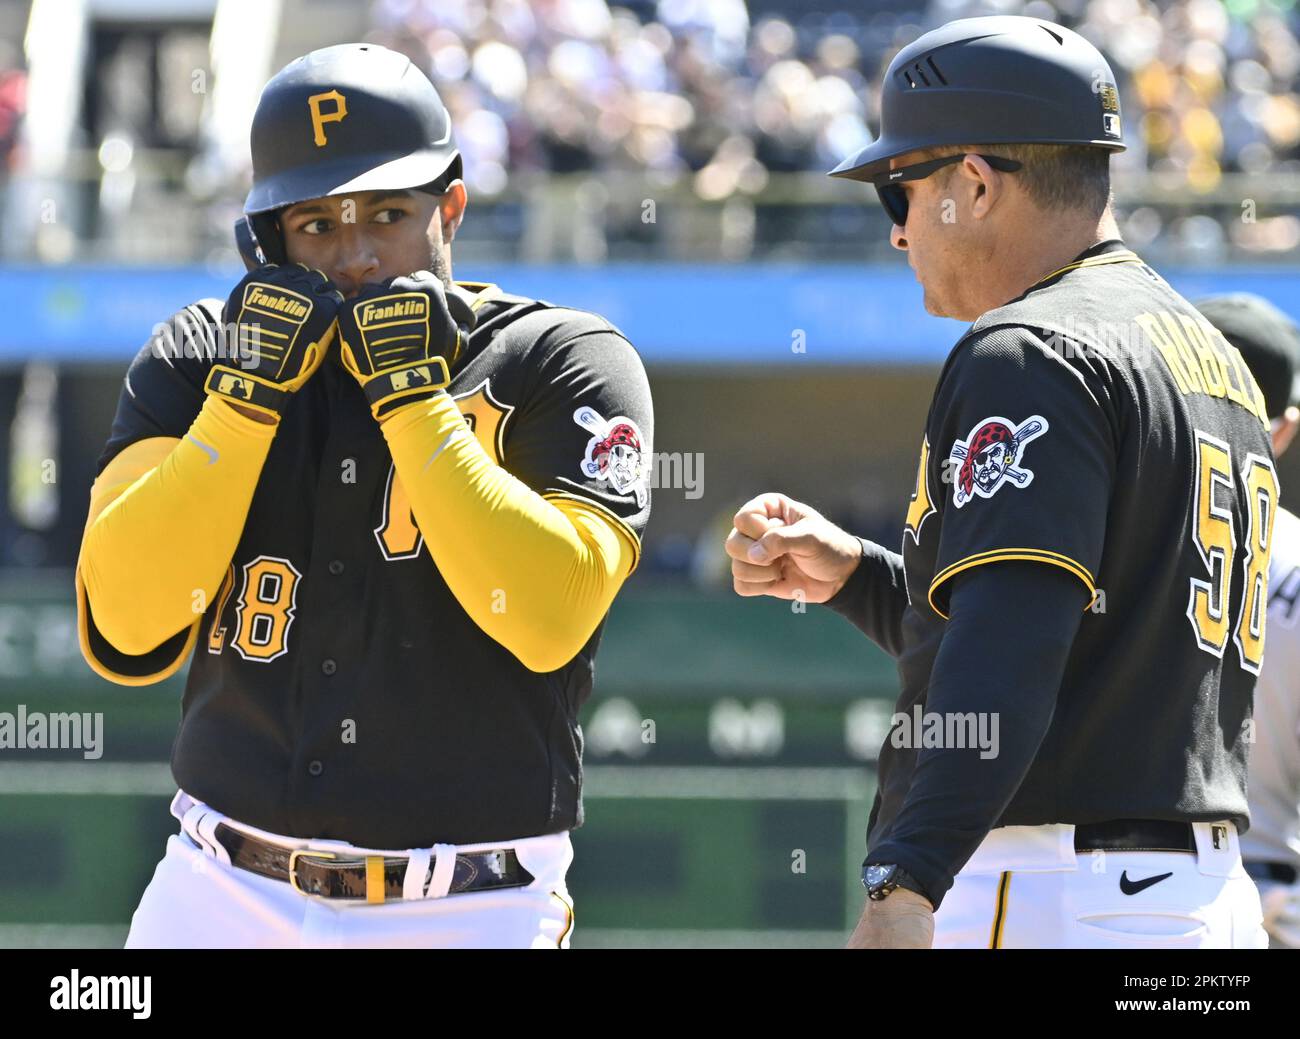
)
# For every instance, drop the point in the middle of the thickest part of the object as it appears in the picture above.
(165, 518)
(536, 574)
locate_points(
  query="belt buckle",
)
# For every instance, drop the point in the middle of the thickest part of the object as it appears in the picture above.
(298, 853)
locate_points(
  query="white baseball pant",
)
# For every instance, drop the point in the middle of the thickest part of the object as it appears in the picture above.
(198, 900)
(1027, 888)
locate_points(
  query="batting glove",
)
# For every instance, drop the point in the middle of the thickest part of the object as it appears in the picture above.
(400, 338)
(283, 321)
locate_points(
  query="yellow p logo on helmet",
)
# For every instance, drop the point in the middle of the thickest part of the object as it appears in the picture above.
(319, 118)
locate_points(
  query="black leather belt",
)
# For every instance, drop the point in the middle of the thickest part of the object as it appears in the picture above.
(1137, 835)
(369, 878)
(1282, 872)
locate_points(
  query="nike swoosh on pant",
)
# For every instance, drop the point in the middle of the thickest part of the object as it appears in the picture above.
(211, 451)
(1132, 887)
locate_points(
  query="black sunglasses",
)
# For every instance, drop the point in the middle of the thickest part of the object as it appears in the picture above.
(894, 198)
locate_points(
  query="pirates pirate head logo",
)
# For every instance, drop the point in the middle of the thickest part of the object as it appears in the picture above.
(615, 452)
(990, 456)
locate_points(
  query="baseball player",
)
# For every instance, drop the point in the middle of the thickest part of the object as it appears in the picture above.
(388, 526)
(1085, 555)
(1270, 344)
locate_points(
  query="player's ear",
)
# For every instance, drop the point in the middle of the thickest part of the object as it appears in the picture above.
(451, 208)
(984, 182)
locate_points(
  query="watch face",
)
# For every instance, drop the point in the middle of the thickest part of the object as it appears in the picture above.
(874, 875)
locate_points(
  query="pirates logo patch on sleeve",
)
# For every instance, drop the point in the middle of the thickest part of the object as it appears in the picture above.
(615, 453)
(991, 456)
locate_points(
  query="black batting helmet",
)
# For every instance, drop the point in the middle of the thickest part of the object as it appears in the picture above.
(1003, 79)
(355, 117)
(1268, 339)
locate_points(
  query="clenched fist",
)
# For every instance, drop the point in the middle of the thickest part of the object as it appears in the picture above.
(400, 338)
(783, 548)
(284, 319)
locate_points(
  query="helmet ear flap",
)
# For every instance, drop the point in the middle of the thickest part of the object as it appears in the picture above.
(250, 250)
(269, 237)
(454, 171)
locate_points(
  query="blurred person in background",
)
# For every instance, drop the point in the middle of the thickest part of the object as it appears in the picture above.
(1270, 343)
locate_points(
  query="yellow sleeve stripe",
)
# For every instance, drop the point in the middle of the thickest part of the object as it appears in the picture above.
(615, 521)
(999, 555)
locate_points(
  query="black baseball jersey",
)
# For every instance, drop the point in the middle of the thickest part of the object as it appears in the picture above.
(1101, 425)
(338, 690)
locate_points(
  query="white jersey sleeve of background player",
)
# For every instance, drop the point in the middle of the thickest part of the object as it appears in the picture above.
(1273, 778)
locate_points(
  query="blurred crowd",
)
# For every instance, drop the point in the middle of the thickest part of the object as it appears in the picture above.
(717, 91)
(711, 100)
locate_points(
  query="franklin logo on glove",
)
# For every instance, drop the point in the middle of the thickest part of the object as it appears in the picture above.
(400, 339)
(288, 304)
(283, 319)
(414, 308)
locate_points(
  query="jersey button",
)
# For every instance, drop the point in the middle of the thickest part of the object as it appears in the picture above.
(329, 667)
(336, 567)
(315, 768)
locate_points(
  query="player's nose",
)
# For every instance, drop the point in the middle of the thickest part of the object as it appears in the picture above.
(357, 264)
(896, 238)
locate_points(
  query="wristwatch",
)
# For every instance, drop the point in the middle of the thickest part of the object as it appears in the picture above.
(882, 878)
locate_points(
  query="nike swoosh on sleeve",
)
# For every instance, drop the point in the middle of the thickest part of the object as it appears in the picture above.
(445, 441)
(210, 451)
